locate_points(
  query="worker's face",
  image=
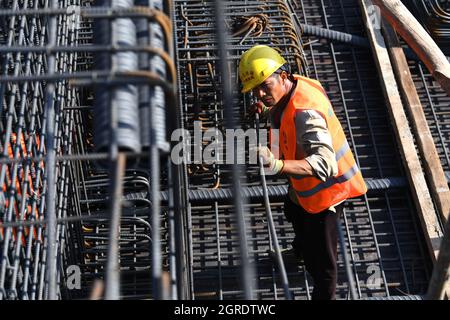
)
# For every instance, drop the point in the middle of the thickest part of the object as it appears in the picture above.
(272, 90)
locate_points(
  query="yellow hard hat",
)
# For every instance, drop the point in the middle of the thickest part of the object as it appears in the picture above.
(258, 64)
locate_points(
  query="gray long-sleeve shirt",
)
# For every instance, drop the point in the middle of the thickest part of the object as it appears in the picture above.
(314, 144)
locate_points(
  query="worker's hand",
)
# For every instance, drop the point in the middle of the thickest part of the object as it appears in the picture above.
(260, 108)
(272, 166)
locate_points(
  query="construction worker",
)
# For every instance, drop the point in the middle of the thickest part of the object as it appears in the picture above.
(314, 155)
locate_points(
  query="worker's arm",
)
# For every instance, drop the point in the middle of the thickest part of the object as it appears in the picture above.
(314, 145)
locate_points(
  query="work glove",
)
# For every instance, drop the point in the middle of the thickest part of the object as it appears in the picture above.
(260, 108)
(272, 166)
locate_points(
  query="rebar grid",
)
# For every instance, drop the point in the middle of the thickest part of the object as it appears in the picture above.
(382, 231)
(47, 126)
(178, 233)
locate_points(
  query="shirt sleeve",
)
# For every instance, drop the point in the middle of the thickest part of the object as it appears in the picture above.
(314, 144)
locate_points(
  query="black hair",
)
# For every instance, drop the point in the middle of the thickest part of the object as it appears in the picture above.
(286, 68)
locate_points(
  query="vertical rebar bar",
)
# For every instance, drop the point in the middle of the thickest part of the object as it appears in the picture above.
(272, 230)
(228, 103)
(112, 286)
(348, 269)
(172, 231)
(51, 162)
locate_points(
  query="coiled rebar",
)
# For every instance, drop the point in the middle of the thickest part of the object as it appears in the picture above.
(123, 98)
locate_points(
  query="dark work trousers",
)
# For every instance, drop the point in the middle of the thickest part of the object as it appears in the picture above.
(316, 239)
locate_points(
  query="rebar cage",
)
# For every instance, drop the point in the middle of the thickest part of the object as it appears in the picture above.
(90, 93)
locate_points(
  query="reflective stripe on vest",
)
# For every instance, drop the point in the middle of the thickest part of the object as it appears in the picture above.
(342, 151)
(330, 182)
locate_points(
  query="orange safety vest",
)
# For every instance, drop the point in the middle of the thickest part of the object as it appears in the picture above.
(313, 194)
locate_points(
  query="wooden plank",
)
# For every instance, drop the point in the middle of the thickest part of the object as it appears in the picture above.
(421, 195)
(418, 39)
(431, 161)
(439, 287)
